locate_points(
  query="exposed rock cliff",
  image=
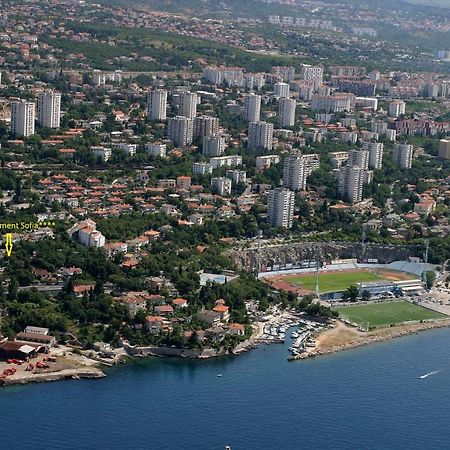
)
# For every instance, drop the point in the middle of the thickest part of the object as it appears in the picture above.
(294, 253)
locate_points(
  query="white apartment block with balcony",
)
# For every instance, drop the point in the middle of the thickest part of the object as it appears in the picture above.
(221, 185)
(252, 107)
(376, 150)
(188, 104)
(180, 130)
(156, 149)
(22, 118)
(226, 161)
(265, 161)
(260, 135)
(403, 154)
(213, 145)
(157, 104)
(286, 112)
(280, 207)
(49, 109)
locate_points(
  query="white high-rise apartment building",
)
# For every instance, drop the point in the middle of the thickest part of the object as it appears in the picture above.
(254, 81)
(49, 109)
(221, 185)
(129, 149)
(225, 161)
(102, 152)
(332, 103)
(98, 79)
(157, 104)
(309, 72)
(351, 181)
(205, 126)
(213, 145)
(281, 90)
(396, 108)
(376, 150)
(219, 74)
(294, 173)
(444, 148)
(285, 72)
(403, 154)
(296, 170)
(280, 207)
(260, 135)
(378, 126)
(180, 130)
(156, 149)
(22, 118)
(252, 107)
(188, 104)
(265, 161)
(202, 168)
(312, 161)
(237, 176)
(286, 112)
(338, 159)
(359, 158)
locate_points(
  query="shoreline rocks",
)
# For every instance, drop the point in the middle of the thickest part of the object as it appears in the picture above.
(78, 373)
(386, 334)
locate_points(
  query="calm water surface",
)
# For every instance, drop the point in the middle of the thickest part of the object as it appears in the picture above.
(367, 398)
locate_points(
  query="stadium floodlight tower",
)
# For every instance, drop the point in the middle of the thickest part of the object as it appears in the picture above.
(258, 253)
(425, 259)
(363, 243)
(316, 287)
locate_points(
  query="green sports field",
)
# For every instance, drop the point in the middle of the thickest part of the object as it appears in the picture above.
(333, 281)
(386, 314)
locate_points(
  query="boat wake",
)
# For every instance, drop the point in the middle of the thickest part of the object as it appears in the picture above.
(434, 372)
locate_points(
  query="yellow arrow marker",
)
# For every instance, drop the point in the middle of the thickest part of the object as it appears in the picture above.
(8, 244)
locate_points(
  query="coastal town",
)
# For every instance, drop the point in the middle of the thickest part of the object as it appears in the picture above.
(196, 187)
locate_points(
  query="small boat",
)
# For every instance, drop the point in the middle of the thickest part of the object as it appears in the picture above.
(294, 335)
(434, 372)
(219, 374)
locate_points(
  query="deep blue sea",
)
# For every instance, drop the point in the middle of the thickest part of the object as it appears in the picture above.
(366, 398)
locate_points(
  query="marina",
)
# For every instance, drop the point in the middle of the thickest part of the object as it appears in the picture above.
(301, 331)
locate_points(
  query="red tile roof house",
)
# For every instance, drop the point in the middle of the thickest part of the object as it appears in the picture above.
(81, 289)
(134, 303)
(157, 324)
(156, 299)
(163, 310)
(137, 243)
(209, 317)
(114, 248)
(130, 263)
(180, 303)
(223, 312)
(154, 324)
(237, 329)
(41, 274)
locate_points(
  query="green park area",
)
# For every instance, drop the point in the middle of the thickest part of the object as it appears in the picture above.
(333, 281)
(376, 315)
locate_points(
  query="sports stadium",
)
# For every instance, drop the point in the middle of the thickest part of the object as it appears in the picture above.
(395, 279)
(331, 280)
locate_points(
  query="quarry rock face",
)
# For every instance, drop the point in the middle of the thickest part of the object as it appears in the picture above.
(268, 256)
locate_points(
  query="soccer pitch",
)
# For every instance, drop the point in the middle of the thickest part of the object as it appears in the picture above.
(333, 281)
(386, 314)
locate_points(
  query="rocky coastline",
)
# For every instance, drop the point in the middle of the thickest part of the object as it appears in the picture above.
(75, 374)
(359, 339)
